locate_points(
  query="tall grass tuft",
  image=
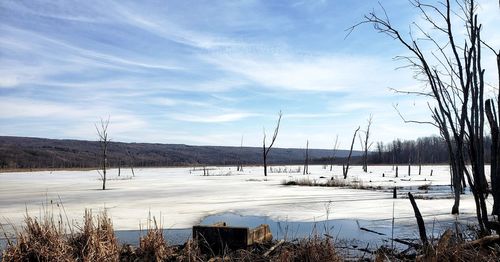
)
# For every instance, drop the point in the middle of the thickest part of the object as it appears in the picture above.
(314, 249)
(96, 241)
(152, 246)
(41, 239)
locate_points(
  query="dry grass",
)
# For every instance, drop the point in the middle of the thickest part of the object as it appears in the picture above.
(39, 240)
(46, 239)
(190, 252)
(449, 247)
(96, 241)
(312, 249)
(152, 246)
(280, 170)
(332, 182)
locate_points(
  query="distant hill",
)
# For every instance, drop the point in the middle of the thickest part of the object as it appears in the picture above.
(27, 152)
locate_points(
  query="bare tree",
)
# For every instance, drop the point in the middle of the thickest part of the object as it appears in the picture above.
(306, 161)
(131, 162)
(265, 150)
(240, 164)
(345, 168)
(102, 133)
(419, 157)
(365, 145)
(334, 152)
(494, 123)
(409, 163)
(454, 79)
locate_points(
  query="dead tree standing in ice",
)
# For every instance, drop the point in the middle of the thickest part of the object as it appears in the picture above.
(493, 120)
(306, 161)
(419, 157)
(454, 77)
(240, 164)
(345, 168)
(334, 153)
(409, 162)
(365, 145)
(102, 133)
(131, 162)
(265, 151)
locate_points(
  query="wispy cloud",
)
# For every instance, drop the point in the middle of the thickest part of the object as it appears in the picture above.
(173, 32)
(13, 108)
(314, 72)
(220, 118)
(308, 116)
(60, 52)
(203, 73)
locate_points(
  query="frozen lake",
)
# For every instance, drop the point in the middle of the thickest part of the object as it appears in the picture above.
(183, 197)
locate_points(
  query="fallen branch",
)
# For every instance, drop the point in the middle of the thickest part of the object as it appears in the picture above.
(372, 231)
(274, 247)
(408, 243)
(420, 220)
(485, 241)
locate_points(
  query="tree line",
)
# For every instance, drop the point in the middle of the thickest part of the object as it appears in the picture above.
(424, 150)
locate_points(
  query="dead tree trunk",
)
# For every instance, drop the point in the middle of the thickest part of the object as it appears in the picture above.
(335, 146)
(366, 145)
(102, 133)
(495, 156)
(131, 162)
(240, 164)
(456, 85)
(346, 168)
(419, 162)
(494, 122)
(306, 161)
(265, 151)
(393, 159)
(420, 220)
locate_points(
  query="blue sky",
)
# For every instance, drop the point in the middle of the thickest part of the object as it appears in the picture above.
(207, 72)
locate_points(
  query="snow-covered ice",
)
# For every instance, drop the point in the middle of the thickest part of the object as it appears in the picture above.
(183, 197)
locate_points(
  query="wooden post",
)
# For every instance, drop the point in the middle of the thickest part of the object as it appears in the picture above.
(396, 171)
(394, 193)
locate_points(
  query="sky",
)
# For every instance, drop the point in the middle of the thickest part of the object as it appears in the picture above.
(210, 72)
